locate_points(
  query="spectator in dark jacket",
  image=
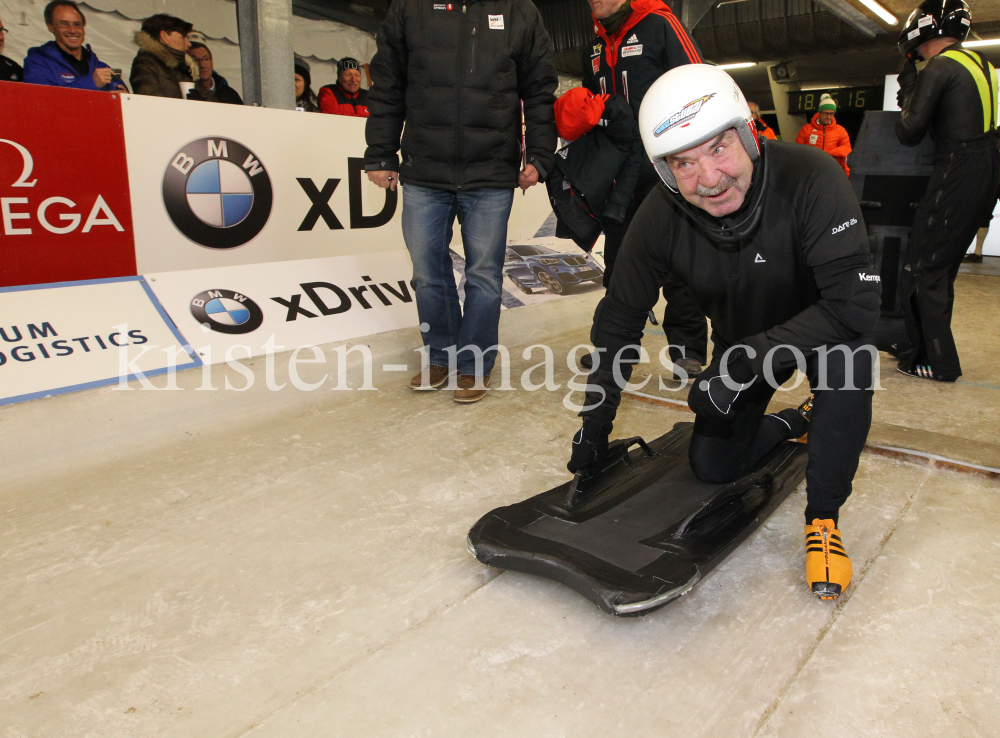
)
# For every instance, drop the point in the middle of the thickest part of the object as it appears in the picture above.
(346, 97)
(162, 63)
(305, 98)
(458, 80)
(10, 70)
(209, 80)
(66, 61)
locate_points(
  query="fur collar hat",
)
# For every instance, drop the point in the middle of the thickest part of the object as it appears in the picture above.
(147, 43)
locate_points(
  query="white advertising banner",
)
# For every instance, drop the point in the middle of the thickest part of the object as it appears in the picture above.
(58, 338)
(235, 312)
(225, 185)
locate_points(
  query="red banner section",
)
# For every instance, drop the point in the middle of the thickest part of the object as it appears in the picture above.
(65, 212)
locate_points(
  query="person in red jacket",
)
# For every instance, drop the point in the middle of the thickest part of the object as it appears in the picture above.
(824, 133)
(763, 129)
(346, 97)
(634, 43)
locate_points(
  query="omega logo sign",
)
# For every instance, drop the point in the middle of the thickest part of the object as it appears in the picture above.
(53, 214)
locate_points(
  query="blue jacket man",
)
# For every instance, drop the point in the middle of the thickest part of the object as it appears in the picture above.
(67, 61)
(46, 65)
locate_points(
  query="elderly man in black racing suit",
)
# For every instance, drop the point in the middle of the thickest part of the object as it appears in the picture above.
(955, 97)
(773, 245)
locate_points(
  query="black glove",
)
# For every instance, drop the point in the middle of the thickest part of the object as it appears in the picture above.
(712, 394)
(907, 81)
(590, 447)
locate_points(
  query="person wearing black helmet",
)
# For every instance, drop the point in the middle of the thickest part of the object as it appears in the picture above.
(955, 98)
(771, 241)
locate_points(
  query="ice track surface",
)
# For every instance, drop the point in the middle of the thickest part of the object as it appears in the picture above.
(294, 564)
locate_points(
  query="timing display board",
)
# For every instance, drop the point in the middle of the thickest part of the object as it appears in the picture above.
(851, 98)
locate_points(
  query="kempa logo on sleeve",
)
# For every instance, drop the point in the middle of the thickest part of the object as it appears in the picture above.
(217, 192)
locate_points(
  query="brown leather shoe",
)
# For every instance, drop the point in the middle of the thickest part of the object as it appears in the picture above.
(467, 391)
(436, 376)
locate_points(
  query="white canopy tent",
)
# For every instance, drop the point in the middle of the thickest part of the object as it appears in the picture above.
(111, 25)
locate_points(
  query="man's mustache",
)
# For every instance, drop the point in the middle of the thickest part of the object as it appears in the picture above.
(724, 184)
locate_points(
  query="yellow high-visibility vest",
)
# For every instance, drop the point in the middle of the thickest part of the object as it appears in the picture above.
(987, 87)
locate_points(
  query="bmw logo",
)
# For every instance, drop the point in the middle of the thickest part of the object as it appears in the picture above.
(226, 311)
(217, 192)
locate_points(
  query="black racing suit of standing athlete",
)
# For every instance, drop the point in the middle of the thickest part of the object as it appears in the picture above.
(804, 279)
(650, 41)
(953, 98)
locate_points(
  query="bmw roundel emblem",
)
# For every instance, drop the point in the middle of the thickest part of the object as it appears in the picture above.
(226, 311)
(217, 192)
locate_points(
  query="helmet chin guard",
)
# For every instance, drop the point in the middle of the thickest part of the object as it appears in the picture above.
(686, 107)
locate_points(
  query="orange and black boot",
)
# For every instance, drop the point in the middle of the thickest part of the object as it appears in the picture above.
(828, 569)
(806, 411)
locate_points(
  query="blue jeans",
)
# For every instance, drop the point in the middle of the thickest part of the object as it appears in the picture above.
(428, 216)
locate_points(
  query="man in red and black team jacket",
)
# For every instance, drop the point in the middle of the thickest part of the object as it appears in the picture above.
(346, 97)
(637, 41)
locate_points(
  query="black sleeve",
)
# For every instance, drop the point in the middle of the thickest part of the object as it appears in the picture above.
(536, 85)
(919, 108)
(832, 235)
(387, 97)
(623, 128)
(678, 46)
(640, 271)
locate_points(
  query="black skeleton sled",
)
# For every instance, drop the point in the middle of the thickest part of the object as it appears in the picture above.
(644, 530)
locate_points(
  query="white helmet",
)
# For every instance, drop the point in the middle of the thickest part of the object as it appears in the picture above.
(688, 106)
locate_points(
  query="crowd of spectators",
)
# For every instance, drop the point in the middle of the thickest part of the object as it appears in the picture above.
(168, 64)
